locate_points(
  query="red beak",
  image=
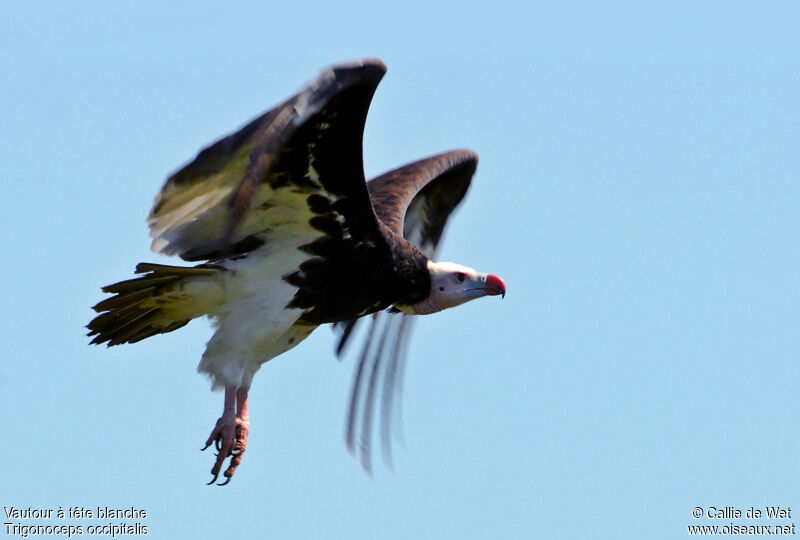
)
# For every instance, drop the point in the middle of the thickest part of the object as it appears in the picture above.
(495, 286)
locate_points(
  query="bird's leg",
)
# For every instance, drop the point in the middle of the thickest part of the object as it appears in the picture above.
(224, 433)
(242, 431)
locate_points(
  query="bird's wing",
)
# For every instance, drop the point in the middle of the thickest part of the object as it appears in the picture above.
(416, 201)
(301, 160)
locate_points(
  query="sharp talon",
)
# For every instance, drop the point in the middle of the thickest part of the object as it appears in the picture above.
(229, 435)
(204, 448)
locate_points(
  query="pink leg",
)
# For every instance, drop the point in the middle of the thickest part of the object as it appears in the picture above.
(242, 432)
(230, 433)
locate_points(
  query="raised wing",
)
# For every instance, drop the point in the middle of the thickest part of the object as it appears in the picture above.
(415, 200)
(300, 161)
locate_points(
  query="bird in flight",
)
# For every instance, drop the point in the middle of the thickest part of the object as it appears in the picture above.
(289, 236)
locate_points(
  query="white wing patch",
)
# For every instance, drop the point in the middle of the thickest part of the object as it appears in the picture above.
(194, 213)
(200, 217)
(188, 214)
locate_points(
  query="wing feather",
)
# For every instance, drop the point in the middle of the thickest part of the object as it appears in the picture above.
(416, 200)
(379, 370)
(238, 189)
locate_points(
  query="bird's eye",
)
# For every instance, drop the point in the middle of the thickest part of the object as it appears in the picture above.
(460, 277)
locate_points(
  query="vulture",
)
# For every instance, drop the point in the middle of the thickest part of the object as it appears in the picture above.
(287, 235)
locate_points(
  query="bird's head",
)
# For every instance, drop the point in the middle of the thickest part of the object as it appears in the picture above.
(453, 284)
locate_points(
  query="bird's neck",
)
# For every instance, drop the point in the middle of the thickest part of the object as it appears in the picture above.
(412, 278)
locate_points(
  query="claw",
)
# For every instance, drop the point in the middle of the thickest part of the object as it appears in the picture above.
(230, 435)
(238, 449)
(210, 441)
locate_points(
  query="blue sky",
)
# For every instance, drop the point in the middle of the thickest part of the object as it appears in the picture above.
(638, 192)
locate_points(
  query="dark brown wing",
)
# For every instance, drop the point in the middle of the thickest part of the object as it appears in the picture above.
(415, 200)
(268, 172)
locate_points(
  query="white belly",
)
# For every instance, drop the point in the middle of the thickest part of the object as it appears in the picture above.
(253, 324)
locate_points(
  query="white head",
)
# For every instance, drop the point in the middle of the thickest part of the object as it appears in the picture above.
(452, 285)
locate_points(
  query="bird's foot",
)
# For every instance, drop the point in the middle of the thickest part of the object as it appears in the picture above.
(230, 435)
(230, 439)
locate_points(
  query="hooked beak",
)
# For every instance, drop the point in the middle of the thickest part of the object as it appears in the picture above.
(495, 286)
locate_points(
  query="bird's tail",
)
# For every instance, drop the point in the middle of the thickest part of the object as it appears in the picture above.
(164, 299)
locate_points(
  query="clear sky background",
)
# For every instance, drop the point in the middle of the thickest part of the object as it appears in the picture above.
(638, 190)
